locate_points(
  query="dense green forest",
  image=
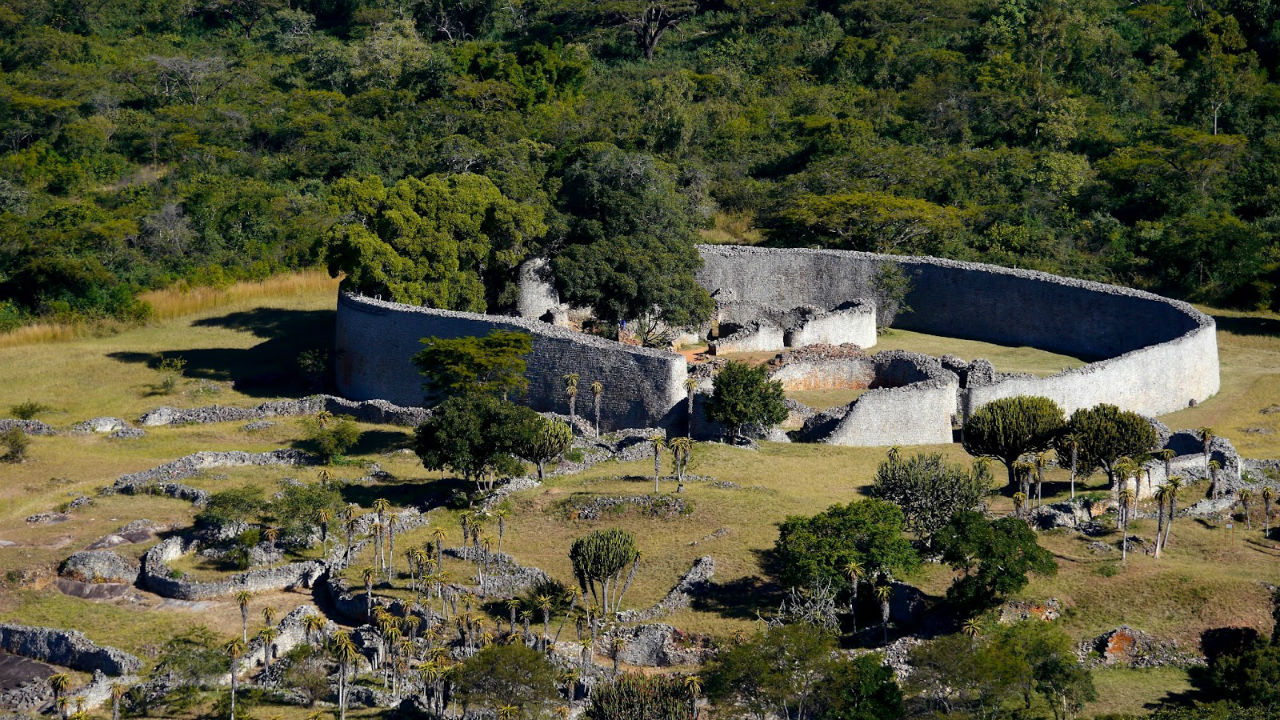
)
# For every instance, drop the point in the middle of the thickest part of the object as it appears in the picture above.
(427, 146)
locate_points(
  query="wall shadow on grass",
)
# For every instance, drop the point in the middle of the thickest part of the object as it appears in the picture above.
(268, 369)
(1249, 325)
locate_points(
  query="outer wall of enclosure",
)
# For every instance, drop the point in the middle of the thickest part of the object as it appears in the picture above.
(1153, 355)
(376, 342)
(1163, 354)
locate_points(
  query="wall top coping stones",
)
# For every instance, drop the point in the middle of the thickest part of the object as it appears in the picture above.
(1200, 319)
(533, 327)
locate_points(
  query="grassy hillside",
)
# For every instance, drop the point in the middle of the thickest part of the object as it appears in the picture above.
(1208, 579)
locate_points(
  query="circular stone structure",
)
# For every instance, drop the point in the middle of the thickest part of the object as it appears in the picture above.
(1147, 353)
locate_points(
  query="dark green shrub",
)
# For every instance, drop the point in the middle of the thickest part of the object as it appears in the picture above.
(15, 443)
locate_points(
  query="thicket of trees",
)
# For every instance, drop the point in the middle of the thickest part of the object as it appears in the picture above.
(427, 147)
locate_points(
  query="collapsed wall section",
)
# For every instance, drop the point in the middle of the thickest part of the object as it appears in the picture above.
(376, 341)
(1155, 355)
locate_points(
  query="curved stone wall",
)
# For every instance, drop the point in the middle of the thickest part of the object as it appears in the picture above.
(1153, 355)
(912, 401)
(376, 341)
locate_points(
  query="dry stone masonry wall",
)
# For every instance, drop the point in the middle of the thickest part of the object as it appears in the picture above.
(1151, 354)
(376, 341)
(1147, 353)
(68, 648)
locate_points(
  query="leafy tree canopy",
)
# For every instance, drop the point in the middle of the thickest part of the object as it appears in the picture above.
(818, 548)
(744, 396)
(446, 241)
(1106, 433)
(508, 675)
(629, 250)
(490, 365)
(1008, 428)
(929, 490)
(994, 556)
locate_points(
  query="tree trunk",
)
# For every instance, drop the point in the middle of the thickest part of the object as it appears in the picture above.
(1075, 456)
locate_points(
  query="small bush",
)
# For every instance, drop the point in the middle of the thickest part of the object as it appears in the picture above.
(331, 439)
(171, 372)
(28, 410)
(1108, 570)
(15, 442)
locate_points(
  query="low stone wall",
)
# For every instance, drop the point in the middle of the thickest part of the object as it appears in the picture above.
(823, 367)
(68, 648)
(376, 341)
(370, 411)
(759, 336)
(161, 479)
(912, 402)
(693, 582)
(854, 324)
(156, 575)
(30, 427)
(291, 634)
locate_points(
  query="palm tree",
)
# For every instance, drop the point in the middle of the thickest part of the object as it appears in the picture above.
(233, 649)
(1245, 496)
(344, 651)
(544, 604)
(1166, 456)
(1161, 495)
(368, 574)
(1126, 501)
(323, 516)
(1174, 484)
(508, 712)
(658, 443)
(324, 476)
(1206, 436)
(1268, 493)
(1019, 500)
(1214, 467)
(437, 537)
(1039, 461)
(118, 691)
(681, 448)
(513, 604)
(349, 524)
(1023, 470)
(690, 385)
(380, 506)
(313, 626)
(571, 389)
(242, 599)
(59, 684)
(268, 637)
(269, 615)
(884, 592)
(597, 389)
(972, 628)
(1073, 443)
(502, 514)
(853, 571)
(64, 704)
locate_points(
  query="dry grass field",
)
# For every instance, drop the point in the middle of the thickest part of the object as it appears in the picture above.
(241, 346)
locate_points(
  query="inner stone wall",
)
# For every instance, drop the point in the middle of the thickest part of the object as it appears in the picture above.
(1162, 353)
(376, 341)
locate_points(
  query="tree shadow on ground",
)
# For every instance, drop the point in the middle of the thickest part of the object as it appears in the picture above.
(425, 495)
(1248, 325)
(744, 599)
(270, 368)
(371, 442)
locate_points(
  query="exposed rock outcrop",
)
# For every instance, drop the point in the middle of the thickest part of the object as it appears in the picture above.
(100, 566)
(69, 648)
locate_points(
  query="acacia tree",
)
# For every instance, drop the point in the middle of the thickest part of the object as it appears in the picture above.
(1008, 428)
